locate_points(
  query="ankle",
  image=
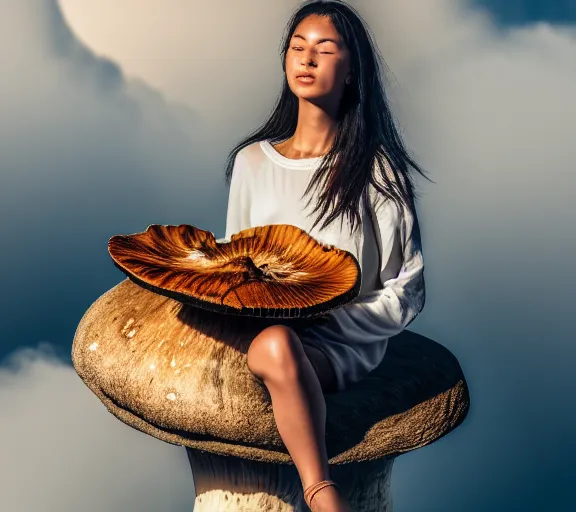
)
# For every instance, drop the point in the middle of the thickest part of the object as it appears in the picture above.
(324, 488)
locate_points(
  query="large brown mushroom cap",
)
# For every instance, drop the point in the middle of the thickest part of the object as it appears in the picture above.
(276, 271)
(180, 374)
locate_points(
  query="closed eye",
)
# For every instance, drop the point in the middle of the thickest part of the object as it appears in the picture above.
(298, 49)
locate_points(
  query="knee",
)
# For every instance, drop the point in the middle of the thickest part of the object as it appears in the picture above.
(275, 353)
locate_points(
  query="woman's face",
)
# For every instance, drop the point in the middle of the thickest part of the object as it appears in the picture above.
(316, 48)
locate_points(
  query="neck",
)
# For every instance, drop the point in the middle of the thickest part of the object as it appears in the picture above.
(315, 131)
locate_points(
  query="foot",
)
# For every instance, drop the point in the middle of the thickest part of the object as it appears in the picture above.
(329, 499)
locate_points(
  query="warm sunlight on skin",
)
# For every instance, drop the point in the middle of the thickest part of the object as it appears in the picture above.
(315, 48)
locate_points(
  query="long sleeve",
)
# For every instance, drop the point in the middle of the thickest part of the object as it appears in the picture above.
(359, 331)
(267, 188)
(372, 318)
(238, 213)
(388, 311)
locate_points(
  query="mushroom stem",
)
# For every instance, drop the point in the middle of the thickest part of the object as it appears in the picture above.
(232, 484)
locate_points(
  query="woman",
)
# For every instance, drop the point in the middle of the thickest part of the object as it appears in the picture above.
(331, 124)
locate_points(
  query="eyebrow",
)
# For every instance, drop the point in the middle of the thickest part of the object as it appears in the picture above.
(323, 40)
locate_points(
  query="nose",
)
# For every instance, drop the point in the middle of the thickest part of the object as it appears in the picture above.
(307, 59)
(308, 62)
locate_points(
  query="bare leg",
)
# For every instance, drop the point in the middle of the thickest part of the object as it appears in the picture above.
(277, 356)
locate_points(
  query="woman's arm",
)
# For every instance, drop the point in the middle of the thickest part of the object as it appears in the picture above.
(388, 311)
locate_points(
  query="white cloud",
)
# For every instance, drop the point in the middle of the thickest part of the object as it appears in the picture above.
(86, 154)
(206, 54)
(61, 449)
(491, 115)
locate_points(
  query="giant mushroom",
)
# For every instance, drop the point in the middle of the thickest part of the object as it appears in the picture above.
(165, 352)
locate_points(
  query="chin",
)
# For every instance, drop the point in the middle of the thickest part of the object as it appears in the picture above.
(309, 93)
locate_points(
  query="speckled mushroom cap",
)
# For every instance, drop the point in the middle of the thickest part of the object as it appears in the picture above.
(183, 378)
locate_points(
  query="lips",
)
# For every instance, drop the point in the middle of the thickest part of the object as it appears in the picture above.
(304, 75)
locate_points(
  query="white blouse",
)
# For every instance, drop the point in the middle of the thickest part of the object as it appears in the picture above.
(267, 188)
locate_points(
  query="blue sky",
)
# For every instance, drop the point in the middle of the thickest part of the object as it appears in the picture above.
(519, 12)
(108, 126)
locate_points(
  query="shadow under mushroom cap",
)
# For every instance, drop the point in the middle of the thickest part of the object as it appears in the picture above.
(180, 374)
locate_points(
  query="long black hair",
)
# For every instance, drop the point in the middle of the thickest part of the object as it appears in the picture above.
(366, 140)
